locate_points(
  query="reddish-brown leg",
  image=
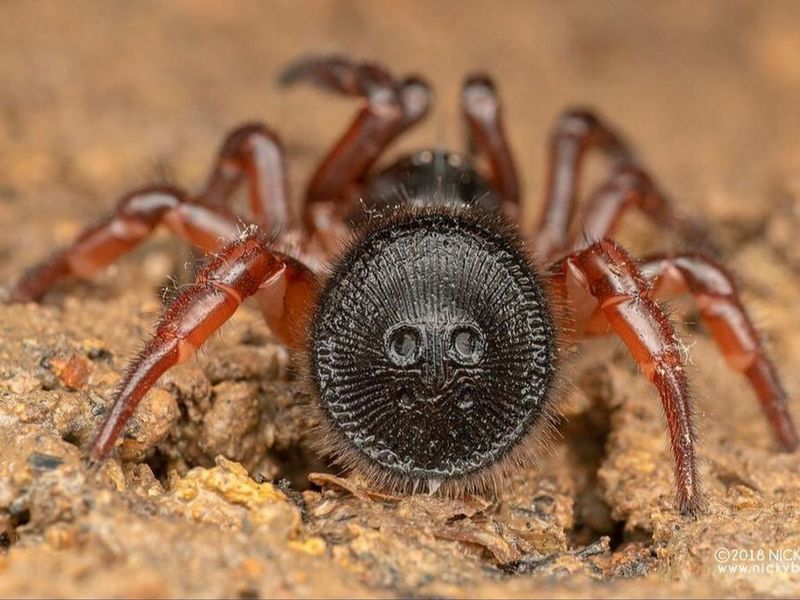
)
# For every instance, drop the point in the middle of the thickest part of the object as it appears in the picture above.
(629, 187)
(715, 294)
(253, 152)
(244, 268)
(136, 216)
(575, 133)
(609, 274)
(390, 107)
(486, 136)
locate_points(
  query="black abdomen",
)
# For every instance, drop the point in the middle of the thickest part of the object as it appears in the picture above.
(432, 351)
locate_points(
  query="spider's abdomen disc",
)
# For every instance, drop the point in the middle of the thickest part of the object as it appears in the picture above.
(433, 348)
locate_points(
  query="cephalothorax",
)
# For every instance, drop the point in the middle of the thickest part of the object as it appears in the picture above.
(433, 341)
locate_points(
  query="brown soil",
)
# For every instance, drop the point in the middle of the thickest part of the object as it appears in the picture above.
(99, 97)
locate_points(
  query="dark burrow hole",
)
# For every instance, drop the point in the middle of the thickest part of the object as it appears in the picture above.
(6, 540)
(159, 465)
(8, 531)
(296, 463)
(586, 435)
(18, 514)
(72, 437)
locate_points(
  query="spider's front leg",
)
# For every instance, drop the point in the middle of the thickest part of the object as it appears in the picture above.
(390, 107)
(609, 274)
(284, 287)
(715, 294)
(486, 137)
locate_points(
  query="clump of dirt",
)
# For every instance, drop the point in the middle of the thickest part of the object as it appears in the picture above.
(215, 489)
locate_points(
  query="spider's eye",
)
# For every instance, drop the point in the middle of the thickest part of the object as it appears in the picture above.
(467, 345)
(403, 345)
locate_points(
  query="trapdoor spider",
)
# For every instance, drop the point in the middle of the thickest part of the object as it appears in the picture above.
(433, 342)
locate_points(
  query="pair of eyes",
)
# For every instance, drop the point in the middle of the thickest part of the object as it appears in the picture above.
(463, 344)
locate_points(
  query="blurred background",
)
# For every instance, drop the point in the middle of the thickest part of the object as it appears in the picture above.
(97, 97)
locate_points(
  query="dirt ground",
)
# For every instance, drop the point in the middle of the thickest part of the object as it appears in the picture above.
(98, 97)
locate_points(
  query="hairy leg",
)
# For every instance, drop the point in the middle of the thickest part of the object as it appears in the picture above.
(714, 292)
(244, 268)
(575, 133)
(483, 116)
(390, 107)
(134, 219)
(609, 274)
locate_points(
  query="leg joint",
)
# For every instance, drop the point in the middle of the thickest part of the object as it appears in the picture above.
(150, 204)
(417, 98)
(577, 122)
(236, 144)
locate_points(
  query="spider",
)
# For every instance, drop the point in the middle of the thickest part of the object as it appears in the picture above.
(433, 342)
